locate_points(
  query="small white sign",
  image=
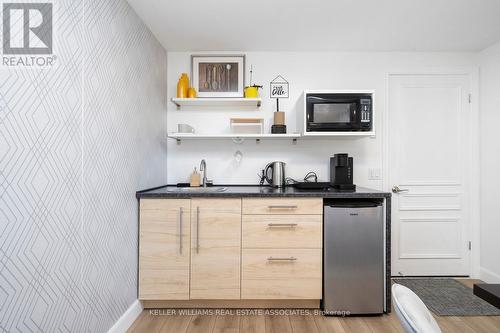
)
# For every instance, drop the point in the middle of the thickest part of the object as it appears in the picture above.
(279, 87)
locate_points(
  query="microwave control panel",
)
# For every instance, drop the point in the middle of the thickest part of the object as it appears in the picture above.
(366, 110)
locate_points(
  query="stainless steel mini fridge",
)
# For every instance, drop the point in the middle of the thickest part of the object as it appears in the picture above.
(353, 258)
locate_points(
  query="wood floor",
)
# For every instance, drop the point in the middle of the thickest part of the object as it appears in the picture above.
(298, 323)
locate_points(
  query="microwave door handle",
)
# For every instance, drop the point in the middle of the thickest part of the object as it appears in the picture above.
(354, 113)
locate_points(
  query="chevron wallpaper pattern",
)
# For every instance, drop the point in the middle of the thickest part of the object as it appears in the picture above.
(76, 141)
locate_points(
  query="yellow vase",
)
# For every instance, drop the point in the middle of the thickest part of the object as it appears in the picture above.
(182, 86)
(191, 93)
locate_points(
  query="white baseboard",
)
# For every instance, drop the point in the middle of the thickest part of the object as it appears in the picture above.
(127, 319)
(489, 276)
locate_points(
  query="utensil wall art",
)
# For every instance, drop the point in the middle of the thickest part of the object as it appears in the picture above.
(218, 75)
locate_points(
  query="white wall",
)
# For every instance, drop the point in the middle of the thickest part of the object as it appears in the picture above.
(303, 71)
(490, 163)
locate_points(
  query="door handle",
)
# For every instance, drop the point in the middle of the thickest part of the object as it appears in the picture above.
(282, 207)
(396, 189)
(288, 225)
(282, 259)
(181, 212)
(197, 229)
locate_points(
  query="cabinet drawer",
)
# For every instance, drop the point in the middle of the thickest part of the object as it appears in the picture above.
(281, 274)
(282, 206)
(282, 231)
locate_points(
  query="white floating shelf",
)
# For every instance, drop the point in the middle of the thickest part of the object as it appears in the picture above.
(236, 137)
(235, 102)
(258, 137)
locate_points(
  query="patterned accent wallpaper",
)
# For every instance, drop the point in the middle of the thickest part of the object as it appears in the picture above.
(76, 141)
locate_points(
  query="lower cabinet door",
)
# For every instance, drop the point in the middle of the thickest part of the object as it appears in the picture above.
(164, 249)
(215, 248)
(281, 274)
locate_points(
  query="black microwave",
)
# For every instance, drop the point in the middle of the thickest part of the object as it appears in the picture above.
(335, 112)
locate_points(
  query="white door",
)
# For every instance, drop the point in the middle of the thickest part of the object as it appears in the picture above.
(428, 162)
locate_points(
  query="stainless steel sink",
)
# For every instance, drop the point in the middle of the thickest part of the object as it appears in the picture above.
(198, 189)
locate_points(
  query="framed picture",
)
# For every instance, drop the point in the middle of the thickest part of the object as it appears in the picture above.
(218, 75)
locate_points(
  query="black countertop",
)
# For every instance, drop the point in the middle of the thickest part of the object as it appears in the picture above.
(256, 191)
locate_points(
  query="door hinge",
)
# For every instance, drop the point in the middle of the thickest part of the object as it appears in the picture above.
(470, 245)
(470, 98)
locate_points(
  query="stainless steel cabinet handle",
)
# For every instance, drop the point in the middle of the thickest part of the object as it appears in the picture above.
(197, 229)
(396, 189)
(282, 259)
(289, 225)
(181, 212)
(282, 207)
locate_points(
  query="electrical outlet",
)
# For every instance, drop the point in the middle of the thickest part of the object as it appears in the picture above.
(374, 174)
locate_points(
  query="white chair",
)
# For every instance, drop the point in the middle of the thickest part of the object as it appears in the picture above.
(412, 312)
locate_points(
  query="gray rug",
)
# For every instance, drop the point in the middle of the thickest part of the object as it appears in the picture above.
(448, 297)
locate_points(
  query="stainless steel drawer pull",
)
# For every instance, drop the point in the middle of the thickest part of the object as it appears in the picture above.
(197, 229)
(181, 212)
(283, 207)
(282, 259)
(288, 225)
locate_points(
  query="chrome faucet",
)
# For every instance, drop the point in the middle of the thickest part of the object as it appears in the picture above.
(203, 167)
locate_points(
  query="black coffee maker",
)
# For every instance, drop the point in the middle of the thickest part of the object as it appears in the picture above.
(341, 172)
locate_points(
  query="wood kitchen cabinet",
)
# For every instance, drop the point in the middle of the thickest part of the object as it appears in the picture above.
(281, 274)
(280, 206)
(164, 249)
(239, 250)
(282, 248)
(282, 231)
(215, 248)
